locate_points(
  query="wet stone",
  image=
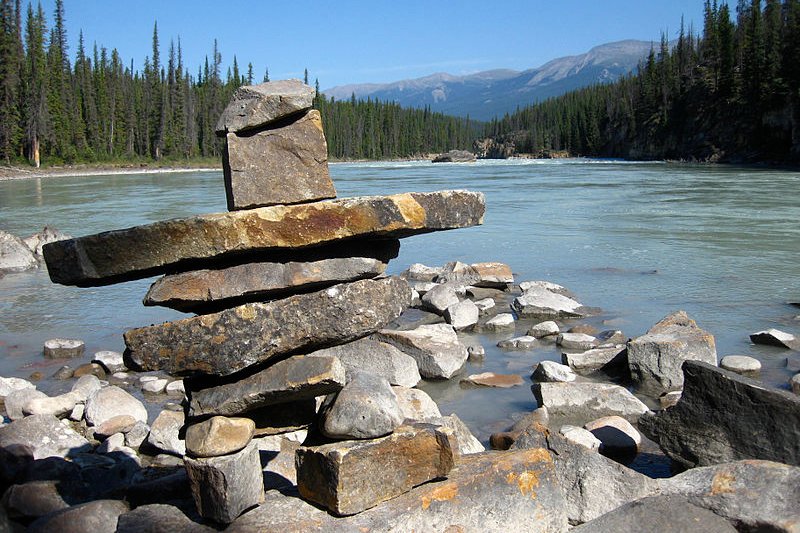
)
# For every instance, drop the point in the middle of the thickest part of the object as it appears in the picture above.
(64, 348)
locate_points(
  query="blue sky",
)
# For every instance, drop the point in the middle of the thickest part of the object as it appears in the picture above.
(355, 41)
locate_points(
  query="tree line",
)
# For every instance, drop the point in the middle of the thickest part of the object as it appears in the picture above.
(98, 108)
(731, 93)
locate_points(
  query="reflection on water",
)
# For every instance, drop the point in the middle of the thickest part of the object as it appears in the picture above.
(639, 240)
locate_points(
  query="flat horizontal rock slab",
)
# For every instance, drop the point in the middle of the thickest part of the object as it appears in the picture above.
(231, 340)
(213, 289)
(188, 243)
(296, 378)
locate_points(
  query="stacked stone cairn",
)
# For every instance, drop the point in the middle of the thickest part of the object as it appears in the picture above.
(288, 271)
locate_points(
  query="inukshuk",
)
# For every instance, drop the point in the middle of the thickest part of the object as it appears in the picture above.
(287, 271)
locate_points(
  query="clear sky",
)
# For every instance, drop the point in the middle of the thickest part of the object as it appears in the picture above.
(357, 41)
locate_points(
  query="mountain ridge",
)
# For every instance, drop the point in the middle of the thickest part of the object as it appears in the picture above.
(486, 94)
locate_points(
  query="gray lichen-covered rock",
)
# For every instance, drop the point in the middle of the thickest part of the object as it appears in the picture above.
(224, 487)
(467, 442)
(375, 357)
(581, 402)
(44, 436)
(253, 106)
(501, 322)
(416, 405)
(655, 358)
(110, 360)
(199, 290)
(618, 436)
(592, 484)
(462, 315)
(576, 342)
(596, 359)
(539, 302)
(440, 297)
(455, 156)
(351, 476)
(548, 328)
(63, 348)
(552, 372)
(753, 495)
(165, 432)
(17, 399)
(662, 514)
(490, 492)
(365, 408)
(203, 240)
(723, 417)
(493, 275)
(293, 379)
(11, 384)
(231, 340)
(436, 348)
(283, 163)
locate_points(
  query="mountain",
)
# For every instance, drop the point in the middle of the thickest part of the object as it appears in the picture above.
(491, 93)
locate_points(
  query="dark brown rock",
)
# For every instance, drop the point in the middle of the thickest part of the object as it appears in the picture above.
(253, 106)
(724, 417)
(199, 290)
(226, 342)
(283, 163)
(297, 378)
(183, 244)
(283, 417)
(350, 476)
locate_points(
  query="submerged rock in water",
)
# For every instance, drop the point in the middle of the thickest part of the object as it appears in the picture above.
(723, 417)
(455, 156)
(231, 340)
(582, 402)
(115, 256)
(776, 337)
(15, 254)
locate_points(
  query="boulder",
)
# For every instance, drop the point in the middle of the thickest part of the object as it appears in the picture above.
(458, 274)
(89, 369)
(201, 290)
(285, 162)
(86, 386)
(420, 272)
(462, 315)
(16, 400)
(64, 348)
(440, 297)
(165, 432)
(231, 340)
(467, 442)
(155, 386)
(436, 348)
(581, 436)
(591, 484)
(115, 256)
(226, 486)
(493, 275)
(753, 495)
(111, 401)
(596, 359)
(655, 358)
(501, 322)
(455, 156)
(34, 499)
(538, 302)
(36, 241)
(668, 399)
(576, 342)
(723, 417)
(525, 343)
(504, 439)
(375, 357)
(99, 516)
(254, 106)
(416, 405)
(43, 436)
(584, 401)
(776, 337)
(662, 514)
(135, 436)
(176, 387)
(351, 476)
(526, 286)
(7, 385)
(548, 328)
(118, 424)
(15, 254)
(219, 435)
(476, 353)
(494, 492)
(296, 378)
(741, 364)
(552, 372)
(490, 379)
(58, 406)
(159, 518)
(618, 436)
(484, 305)
(365, 408)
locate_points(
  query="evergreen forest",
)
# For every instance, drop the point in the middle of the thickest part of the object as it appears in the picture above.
(96, 108)
(731, 94)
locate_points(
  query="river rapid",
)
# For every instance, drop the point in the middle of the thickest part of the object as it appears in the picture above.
(638, 240)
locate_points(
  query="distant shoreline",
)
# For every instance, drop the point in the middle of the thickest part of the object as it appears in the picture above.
(20, 173)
